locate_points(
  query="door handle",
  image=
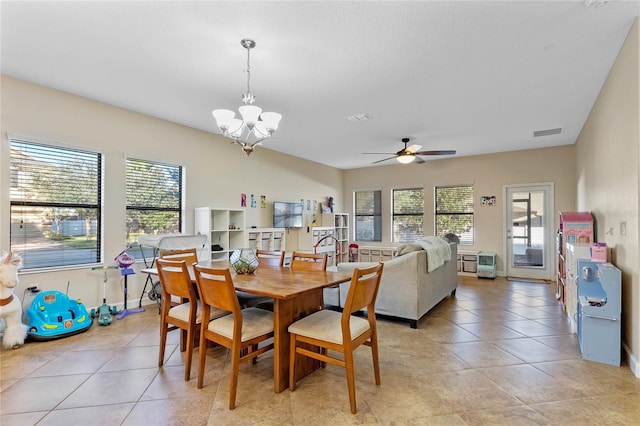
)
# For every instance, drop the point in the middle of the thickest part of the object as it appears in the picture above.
(603, 318)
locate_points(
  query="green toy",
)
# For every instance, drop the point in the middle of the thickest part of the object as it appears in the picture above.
(104, 311)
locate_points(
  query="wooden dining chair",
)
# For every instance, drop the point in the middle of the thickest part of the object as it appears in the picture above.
(190, 255)
(186, 315)
(265, 257)
(304, 262)
(241, 331)
(341, 332)
(308, 261)
(271, 257)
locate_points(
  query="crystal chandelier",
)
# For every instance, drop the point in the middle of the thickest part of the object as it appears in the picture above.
(255, 125)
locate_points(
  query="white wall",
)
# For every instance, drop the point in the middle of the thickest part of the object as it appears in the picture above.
(487, 173)
(217, 172)
(607, 174)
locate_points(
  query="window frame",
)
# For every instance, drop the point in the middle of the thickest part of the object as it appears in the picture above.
(376, 215)
(395, 215)
(136, 251)
(48, 158)
(470, 202)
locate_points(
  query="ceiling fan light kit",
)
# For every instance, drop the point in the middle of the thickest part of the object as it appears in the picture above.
(406, 158)
(255, 125)
(410, 154)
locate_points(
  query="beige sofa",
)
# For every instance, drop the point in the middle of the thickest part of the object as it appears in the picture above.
(407, 290)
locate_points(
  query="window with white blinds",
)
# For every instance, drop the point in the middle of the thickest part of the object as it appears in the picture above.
(154, 201)
(408, 214)
(56, 205)
(368, 215)
(454, 212)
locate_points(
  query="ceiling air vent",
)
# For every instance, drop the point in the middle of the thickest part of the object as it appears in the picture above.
(359, 117)
(547, 132)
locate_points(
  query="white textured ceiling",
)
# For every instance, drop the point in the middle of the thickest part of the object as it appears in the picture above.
(477, 76)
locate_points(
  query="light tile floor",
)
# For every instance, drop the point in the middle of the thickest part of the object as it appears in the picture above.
(497, 353)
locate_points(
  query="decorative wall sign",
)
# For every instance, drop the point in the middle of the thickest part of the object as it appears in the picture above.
(243, 200)
(263, 201)
(253, 201)
(488, 200)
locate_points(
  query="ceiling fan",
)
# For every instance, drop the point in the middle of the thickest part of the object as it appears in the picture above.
(410, 154)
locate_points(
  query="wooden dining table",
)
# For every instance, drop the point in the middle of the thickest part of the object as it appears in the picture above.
(295, 295)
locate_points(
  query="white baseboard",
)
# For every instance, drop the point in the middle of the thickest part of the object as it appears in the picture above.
(634, 365)
(131, 304)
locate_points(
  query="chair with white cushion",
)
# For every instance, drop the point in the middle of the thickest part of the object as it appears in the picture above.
(185, 315)
(341, 332)
(241, 331)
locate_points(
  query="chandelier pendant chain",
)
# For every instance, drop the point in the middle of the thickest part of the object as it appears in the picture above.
(248, 97)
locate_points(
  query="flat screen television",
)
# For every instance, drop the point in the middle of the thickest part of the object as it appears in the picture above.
(287, 215)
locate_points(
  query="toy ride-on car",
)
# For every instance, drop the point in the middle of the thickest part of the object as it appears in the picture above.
(53, 315)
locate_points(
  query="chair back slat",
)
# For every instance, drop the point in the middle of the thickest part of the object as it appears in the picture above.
(190, 256)
(308, 261)
(175, 279)
(216, 289)
(270, 257)
(363, 290)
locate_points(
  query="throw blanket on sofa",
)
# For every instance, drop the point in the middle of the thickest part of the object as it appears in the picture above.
(438, 251)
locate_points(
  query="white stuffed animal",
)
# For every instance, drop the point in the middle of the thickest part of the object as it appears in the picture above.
(10, 306)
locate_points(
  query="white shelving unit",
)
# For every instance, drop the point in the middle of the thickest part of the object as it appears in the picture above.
(376, 253)
(267, 238)
(340, 223)
(467, 262)
(224, 227)
(308, 240)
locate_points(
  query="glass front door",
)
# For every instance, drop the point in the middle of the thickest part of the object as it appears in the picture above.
(529, 233)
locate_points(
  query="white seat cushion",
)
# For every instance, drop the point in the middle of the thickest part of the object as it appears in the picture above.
(255, 322)
(326, 325)
(181, 312)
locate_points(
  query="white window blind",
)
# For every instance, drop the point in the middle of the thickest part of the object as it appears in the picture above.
(154, 200)
(56, 205)
(408, 214)
(368, 215)
(454, 212)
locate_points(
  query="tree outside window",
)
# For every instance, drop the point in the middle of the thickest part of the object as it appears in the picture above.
(408, 215)
(454, 212)
(368, 215)
(56, 205)
(154, 201)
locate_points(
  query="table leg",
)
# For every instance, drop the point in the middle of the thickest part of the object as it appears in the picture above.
(285, 313)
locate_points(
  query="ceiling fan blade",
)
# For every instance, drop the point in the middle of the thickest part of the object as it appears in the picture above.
(380, 161)
(414, 148)
(380, 153)
(437, 152)
(418, 160)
